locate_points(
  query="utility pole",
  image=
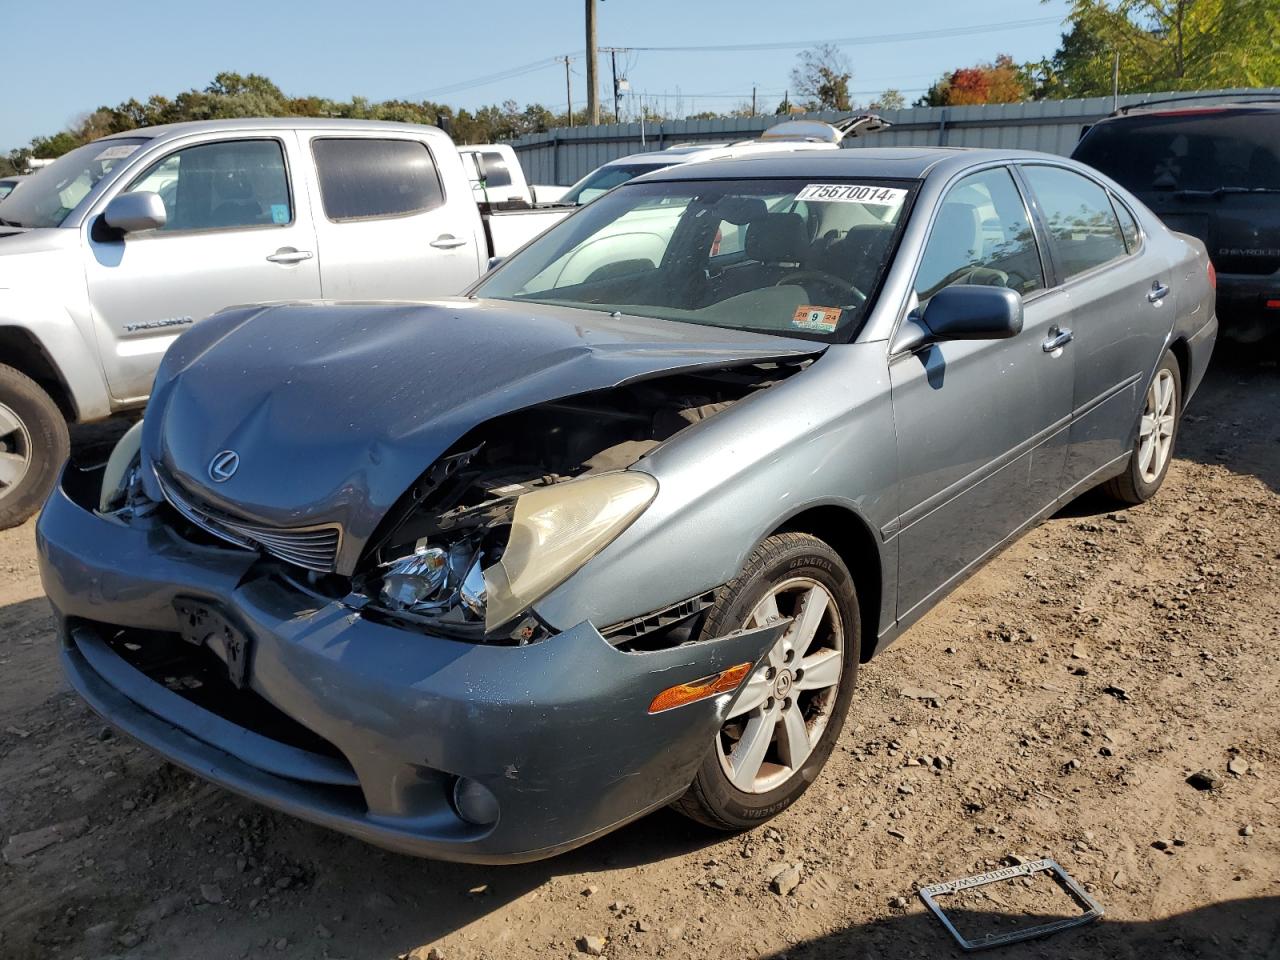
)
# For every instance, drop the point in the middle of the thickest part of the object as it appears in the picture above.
(613, 61)
(753, 99)
(617, 84)
(593, 87)
(568, 90)
(1115, 83)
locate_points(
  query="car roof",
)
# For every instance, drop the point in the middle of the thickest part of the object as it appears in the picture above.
(1141, 111)
(893, 163)
(272, 123)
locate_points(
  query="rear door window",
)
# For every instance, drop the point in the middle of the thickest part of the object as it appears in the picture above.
(364, 178)
(1083, 229)
(1128, 225)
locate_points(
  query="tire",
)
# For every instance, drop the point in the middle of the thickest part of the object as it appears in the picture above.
(1140, 480)
(787, 566)
(34, 442)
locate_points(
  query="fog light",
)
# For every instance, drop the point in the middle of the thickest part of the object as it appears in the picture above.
(474, 802)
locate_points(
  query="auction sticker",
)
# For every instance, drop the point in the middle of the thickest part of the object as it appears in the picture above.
(853, 193)
(117, 152)
(815, 319)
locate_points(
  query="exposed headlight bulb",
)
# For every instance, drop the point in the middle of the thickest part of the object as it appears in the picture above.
(417, 577)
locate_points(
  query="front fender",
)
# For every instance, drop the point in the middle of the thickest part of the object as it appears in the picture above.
(823, 437)
(74, 357)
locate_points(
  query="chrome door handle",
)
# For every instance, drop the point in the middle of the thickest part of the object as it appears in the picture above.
(1158, 292)
(447, 242)
(290, 256)
(1057, 339)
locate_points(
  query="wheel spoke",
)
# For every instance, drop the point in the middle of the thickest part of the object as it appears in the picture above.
(821, 670)
(748, 755)
(755, 693)
(814, 606)
(9, 422)
(1146, 453)
(793, 738)
(1148, 425)
(766, 612)
(12, 468)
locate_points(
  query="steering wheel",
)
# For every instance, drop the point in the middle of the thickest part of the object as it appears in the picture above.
(844, 287)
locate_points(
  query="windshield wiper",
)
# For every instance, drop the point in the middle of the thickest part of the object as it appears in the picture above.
(9, 223)
(1219, 191)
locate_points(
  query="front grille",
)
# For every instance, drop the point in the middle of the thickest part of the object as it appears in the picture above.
(314, 548)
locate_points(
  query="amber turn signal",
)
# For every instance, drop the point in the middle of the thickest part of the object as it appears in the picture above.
(696, 690)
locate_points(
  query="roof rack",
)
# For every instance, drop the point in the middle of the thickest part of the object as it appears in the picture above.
(1261, 97)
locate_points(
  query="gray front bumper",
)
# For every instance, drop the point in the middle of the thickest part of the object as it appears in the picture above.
(558, 730)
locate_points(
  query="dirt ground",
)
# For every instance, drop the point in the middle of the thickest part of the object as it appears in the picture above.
(1069, 690)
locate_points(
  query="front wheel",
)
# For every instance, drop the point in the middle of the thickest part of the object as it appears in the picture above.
(1157, 431)
(785, 721)
(33, 444)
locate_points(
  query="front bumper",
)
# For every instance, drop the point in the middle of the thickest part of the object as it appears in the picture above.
(558, 731)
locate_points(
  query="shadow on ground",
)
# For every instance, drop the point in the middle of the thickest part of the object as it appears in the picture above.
(1233, 928)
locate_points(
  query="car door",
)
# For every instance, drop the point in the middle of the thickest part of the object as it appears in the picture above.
(386, 228)
(237, 232)
(981, 424)
(1119, 308)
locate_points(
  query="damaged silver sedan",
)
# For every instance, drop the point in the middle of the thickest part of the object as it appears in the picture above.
(484, 578)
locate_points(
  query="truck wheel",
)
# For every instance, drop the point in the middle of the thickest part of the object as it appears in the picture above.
(33, 445)
(788, 715)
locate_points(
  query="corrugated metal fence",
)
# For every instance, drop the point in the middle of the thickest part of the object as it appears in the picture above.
(565, 155)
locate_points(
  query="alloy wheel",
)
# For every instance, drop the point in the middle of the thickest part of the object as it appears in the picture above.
(785, 704)
(15, 450)
(1155, 434)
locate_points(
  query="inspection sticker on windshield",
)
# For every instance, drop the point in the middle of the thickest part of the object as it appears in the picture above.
(117, 153)
(853, 193)
(815, 319)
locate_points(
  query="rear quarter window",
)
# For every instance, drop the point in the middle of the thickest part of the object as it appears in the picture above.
(363, 178)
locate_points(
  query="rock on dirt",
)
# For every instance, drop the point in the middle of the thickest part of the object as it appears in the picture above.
(22, 845)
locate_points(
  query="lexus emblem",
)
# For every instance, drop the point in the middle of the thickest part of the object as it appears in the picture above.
(223, 466)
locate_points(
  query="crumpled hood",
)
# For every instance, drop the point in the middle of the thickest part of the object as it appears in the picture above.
(335, 409)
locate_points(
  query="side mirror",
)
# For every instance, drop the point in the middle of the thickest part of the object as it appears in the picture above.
(963, 312)
(139, 210)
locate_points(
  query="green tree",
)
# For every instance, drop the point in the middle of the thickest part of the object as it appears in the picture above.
(1166, 45)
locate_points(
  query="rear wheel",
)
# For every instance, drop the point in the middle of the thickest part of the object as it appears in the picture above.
(786, 719)
(1157, 432)
(33, 444)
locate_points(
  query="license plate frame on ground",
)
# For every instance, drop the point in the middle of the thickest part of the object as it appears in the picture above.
(1091, 907)
(202, 624)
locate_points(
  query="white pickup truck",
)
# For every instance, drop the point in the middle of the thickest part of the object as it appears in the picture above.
(498, 179)
(110, 252)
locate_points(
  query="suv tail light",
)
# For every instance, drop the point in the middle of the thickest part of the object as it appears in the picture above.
(1213, 276)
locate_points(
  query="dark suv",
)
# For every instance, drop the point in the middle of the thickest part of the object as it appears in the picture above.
(1212, 172)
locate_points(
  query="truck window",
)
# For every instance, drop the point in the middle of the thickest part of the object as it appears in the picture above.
(363, 178)
(495, 169)
(221, 186)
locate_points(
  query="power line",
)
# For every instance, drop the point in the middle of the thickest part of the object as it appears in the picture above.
(855, 41)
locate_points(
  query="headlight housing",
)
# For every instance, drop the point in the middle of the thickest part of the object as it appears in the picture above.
(554, 531)
(120, 470)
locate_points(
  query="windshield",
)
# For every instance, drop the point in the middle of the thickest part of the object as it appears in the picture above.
(1195, 150)
(792, 257)
(601, 181)
(52, 192)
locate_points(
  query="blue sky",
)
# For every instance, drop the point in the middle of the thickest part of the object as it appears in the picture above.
(64, 58)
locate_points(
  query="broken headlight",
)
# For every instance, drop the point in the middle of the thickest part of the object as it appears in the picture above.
(554, 531)
(489, 563)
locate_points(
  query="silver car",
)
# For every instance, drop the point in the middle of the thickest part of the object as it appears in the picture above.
(483, 578)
